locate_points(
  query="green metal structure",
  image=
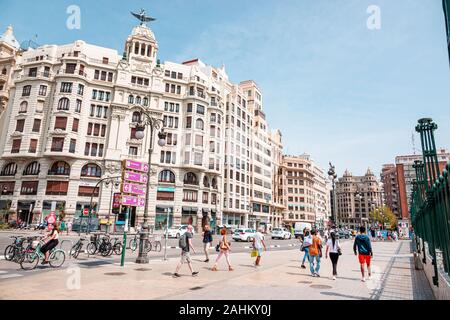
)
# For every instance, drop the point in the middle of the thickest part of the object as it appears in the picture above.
(430, 209)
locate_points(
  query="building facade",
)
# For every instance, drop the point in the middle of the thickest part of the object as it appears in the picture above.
(353, 212)
(390, 188)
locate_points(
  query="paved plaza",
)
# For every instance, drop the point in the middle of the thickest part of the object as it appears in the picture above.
(279, 278)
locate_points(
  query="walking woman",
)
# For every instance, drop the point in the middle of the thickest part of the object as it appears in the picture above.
(334, 248)
(224, 247)
(50, 244)
(207, 239)
(307, 241)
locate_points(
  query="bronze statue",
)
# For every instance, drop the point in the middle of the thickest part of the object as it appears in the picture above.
(142, 16)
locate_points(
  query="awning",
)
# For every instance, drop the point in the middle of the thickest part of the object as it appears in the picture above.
(190, 209)
(205, 210)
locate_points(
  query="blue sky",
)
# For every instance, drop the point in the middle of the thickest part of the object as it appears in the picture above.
(337, 90)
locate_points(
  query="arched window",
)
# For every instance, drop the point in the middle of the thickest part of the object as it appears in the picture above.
(91, 170)
(130, 99)
(205, 182)
(9, 170)
(63, 104)
(145, 102)
(32, 169)
(136, 117)
(23, 107)
(4, 71)
(60, 168)
(214, 183)
(190, 178)
(166, 176)
(136, 48)
(199, 124)
(138, 100)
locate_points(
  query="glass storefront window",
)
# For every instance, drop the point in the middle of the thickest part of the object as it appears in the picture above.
(161, 218)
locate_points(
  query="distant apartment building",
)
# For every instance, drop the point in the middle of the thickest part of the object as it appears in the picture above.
(351, 211)
(406, 174)
(390, 188)
(276, 216)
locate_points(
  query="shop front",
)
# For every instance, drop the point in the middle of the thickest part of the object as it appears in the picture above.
(25, 211)
(5, 205)
(161, 217)
(189, 216)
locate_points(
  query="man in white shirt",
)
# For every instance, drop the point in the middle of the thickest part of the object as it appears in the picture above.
(259, 245)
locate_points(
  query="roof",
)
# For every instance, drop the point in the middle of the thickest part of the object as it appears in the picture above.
(8, 38)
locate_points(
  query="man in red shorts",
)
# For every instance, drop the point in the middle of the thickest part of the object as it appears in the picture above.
(365, 254)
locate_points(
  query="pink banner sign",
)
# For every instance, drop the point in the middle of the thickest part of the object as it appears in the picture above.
(135, 177)
(137, 166)
(133, 188)
(133, 201)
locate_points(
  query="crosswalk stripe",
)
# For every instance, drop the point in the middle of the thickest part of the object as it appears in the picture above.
(2, 272)
(13, 275)
(2, 257)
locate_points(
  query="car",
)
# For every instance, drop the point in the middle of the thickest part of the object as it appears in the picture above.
(343, 234)
(178, 231)
(281, 233)
(244, 234)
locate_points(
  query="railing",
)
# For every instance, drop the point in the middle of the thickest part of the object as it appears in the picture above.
(430, 205)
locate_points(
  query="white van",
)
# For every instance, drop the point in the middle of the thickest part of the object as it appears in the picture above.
(299, 226)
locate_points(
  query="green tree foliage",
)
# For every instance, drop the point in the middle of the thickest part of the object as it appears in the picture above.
(384, 215)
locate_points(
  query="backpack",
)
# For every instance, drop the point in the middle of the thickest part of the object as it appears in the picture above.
(182, 242)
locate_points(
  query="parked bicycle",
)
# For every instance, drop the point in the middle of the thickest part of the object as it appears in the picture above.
(100, 244)
(33, 255)
(14, 250)
(117, 246)
(76, 248)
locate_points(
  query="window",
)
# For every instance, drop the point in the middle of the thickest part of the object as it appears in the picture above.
(136, 117)
(19, 125)
(94, 94)
(130, 99)
(205, 197)
(198, 140)
(100, 150)
(89, 129)
(42, 90)
(33, 146)
(16, 145)
(190, 195)
(87, 148)
(103, 132)
(36, 125)
(188, 122)
(96, 130)
(199, 124)
(72, 145)
(105, 112)
(166, 176)
(80, 89)
(29, 188)
(133, 151)
(57, 188)
(94, 147)
(57, 144)
(66, 87)
(91, 170)
(86, 191)
(47, 72)
(61, 168)
(200, 109)
(4, 71)
(9, 170)
(61, 123)
(92, 113)
(63, 104)
(26, 91)
(206, 182)
(75, 124)
(23, 107)
(190, 178)
(198, 158)
(32, 169)
(99, 111)
(78, 106)
(145, 102)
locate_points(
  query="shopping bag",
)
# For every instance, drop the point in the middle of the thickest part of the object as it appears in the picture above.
(254, 253)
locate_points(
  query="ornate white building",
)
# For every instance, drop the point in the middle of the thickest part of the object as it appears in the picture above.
(71, 119)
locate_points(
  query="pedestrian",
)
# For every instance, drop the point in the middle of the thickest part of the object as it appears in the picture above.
(379, 236)
(207, 240)
(52, 242)
(307, 241)
(334, 248)
(69, 226)
(363, 246)
(259, 245)
(185, 244)
(315, 253)
(224, 247)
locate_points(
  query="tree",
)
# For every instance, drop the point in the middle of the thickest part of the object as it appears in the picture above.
(384, 215)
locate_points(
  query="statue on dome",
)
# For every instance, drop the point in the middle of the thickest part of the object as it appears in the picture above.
(142, 16)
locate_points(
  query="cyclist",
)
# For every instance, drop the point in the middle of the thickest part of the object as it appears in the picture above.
(51, 243)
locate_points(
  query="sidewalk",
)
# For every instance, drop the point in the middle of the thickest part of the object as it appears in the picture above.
(279, 278)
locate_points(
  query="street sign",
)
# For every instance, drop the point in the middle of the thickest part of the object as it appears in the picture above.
(135, 177)
(136, 166)
(133, 201)
(51, 218)
(133, 188)
(86, 212)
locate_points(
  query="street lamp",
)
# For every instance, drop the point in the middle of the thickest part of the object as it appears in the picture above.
(153, 123)
(333, 176)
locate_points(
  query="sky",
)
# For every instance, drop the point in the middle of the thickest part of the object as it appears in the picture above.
(336, 89)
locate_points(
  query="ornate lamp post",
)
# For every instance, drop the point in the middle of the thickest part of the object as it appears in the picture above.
(153, 123)
(333, 176)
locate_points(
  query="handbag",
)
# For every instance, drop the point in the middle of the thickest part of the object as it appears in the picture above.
(339, 251)
(218, 248)
(254, 253)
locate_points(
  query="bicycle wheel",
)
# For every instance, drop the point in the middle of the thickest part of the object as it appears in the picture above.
(57, 258)
(92, 248)
(133, 245)
(9, 252)
(106, 249)
(157, 246)
(117, 248)
(148, 246)
(29, 260)
(77, 251)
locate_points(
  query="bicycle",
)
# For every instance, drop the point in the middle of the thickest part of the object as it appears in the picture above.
(12, 249)
(76, 248)
(102, 245)
(117, 246)
(134, 243)
(32, 256)
(156, 245)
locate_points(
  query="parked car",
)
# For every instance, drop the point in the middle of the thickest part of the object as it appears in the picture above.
(244, 234)
(281, 233)
(344, 234)
(178, 231)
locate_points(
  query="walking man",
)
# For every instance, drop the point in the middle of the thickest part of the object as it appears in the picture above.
(207, 240)
(259, 244)
(365, 254)
(185, 245)
(315, 253)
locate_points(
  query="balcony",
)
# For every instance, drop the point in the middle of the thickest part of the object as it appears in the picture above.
(34, 75)
(76, 72)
